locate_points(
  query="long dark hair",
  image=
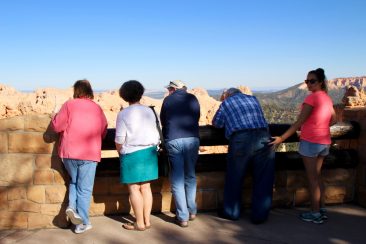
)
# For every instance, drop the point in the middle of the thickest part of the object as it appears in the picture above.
(319, 73)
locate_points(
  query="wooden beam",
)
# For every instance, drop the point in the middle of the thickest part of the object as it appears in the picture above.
(344, 158)
(211, 136)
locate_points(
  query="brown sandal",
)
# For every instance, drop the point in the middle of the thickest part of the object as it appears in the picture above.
(132, 226)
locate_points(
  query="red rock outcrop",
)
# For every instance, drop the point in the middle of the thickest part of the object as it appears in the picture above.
(354, 97)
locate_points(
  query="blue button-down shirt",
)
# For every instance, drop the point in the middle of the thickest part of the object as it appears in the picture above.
(239, 112)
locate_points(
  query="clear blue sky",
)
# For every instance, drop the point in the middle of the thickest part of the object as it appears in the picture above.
(207, 43)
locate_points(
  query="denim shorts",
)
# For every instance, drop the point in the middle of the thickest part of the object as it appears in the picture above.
(309, 149)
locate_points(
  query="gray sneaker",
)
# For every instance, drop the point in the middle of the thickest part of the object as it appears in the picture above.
(323, 212)
(314, 217)
(73, 216)
(82, 228)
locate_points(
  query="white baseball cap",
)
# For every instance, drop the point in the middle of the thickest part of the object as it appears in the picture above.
(177, 84)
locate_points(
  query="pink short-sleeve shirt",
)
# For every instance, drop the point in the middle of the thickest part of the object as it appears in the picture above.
(316, 128)
(82, 125)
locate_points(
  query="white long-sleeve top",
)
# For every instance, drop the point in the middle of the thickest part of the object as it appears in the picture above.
(136, 128)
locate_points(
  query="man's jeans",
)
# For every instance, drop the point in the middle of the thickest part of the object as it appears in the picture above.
(183, 154)
(249, 148)
(82, 173)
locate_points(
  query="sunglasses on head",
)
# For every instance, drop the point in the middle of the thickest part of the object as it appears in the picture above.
(312, 81)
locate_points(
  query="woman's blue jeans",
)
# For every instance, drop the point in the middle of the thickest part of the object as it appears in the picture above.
(249, 148)
(82, 174)
(183, 154)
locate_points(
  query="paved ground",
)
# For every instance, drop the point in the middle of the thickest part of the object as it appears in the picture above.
(346, 224)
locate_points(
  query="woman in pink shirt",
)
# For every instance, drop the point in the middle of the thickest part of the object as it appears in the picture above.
(82, 125)
(317, 115)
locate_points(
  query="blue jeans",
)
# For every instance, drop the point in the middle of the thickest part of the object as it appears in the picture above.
(249, 148)
(82, 174)
(183, 154)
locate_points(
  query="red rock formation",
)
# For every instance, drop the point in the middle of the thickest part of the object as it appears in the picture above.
(354, 97)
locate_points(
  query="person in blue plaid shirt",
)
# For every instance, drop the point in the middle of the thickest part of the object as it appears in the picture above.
(247, 131)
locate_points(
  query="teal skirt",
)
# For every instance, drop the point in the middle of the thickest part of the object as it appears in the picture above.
(139, 166)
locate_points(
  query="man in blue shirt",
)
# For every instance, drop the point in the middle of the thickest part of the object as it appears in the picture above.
(179, 118)
(247, 132)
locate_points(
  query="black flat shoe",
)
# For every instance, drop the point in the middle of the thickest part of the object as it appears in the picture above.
(222, 215)
(258, 221)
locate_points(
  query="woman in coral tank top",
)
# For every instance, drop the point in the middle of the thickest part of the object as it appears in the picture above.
(317, 115)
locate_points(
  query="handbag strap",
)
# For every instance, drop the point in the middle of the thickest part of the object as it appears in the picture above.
(158, 127)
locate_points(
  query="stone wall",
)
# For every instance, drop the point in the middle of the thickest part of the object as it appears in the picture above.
(33, 192)
(32, 178)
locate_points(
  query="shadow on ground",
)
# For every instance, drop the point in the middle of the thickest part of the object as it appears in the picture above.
(346, 224)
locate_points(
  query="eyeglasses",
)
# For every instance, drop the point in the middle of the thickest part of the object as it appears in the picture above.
(312, 81)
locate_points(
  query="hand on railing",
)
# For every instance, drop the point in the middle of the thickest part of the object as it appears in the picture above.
(276, 140)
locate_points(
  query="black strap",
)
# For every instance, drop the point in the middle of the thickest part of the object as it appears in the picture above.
(162, 142)
(164, 164)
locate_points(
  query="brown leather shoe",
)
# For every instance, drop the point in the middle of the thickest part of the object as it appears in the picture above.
(182, 224)
(192, 217)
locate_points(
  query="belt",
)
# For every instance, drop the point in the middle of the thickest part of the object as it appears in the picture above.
(251, 129)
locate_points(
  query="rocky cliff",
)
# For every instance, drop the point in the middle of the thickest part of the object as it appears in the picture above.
(293, 96)
(46, 100)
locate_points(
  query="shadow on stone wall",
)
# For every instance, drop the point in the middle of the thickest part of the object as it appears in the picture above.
(60, 177)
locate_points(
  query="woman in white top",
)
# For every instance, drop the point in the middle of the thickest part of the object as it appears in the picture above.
(136, 142)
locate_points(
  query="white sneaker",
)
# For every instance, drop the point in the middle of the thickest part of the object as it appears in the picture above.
(73, 216)
(81, 228)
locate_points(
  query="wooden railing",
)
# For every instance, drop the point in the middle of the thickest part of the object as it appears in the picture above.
(211, 136)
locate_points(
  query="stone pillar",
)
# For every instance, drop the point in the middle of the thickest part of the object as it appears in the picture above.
(32, 179)
(359, 114)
